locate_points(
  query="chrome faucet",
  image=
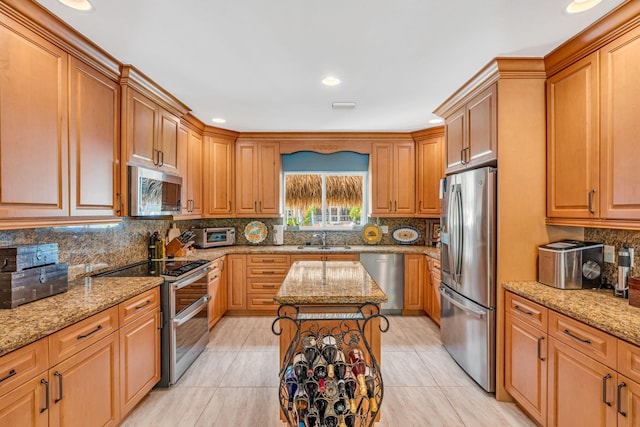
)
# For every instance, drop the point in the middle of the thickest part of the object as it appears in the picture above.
(323, 236)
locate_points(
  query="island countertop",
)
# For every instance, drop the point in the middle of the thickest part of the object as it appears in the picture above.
(329, 282)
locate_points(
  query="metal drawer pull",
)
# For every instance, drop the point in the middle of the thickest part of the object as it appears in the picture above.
(9, 375)
(138, 307)
(59, 375)
(539, 352)
(584, 340)
(267, 302)
(268, 260)
(269, 286)
(90, 333)
(45, 383)
(528, 313)
(590, 202)
(604, 389)
(618, 397)
(268, 272)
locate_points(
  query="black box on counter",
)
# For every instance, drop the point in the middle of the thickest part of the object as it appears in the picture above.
(22, 257)
(21, 287)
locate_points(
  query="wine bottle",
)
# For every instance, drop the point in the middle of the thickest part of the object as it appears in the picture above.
(358, 367)
(341, 409)
(340, 365)
(321, 406)
(302, 405)
(330, 417)
(350, 420)
(312, 418)
(311, 388)
(300, 367)
(310, 349)
(320, 372)
(350, 386)
(291, 382)
(329, 351)
(371, 391)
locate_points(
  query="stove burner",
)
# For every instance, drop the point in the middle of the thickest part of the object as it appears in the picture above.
(171, 270)
(183, 269)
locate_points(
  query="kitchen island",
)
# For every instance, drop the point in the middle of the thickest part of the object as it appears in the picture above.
(329, 324)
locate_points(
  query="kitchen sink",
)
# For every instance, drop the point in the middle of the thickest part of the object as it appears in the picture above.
(324, 248)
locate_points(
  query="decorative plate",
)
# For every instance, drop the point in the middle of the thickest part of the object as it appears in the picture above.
(255, 232)
(405, 235)
(371, 233)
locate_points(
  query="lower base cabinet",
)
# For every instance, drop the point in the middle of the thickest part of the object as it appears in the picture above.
(217, 288)
(25, 405)
(433, 289)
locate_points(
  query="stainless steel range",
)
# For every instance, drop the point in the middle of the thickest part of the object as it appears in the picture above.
(185, 331)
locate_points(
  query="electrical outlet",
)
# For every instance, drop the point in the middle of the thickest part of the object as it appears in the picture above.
(385, 229)
(609, 252)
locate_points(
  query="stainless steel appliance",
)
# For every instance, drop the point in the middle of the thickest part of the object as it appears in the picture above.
(183, 302)
(570, 264)
(212, 237)
(468, 289)
(388, 272)
(154, 193)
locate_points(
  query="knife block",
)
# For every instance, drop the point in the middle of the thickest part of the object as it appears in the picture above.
(174, 247)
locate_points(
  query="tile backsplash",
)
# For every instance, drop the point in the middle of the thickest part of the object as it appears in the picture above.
(616, 238)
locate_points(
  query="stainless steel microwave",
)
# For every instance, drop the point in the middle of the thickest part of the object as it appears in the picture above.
(154, 193)
(211, 237)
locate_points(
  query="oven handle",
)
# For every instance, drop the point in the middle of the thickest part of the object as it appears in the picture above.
(189, 280)
(191, 311)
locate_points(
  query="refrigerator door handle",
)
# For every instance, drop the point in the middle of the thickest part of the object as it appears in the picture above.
(453, 300)
(455, 222)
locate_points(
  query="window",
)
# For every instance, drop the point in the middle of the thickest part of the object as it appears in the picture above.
(331, 196)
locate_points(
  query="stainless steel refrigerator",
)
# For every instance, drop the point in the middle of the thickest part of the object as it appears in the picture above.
(468, 290)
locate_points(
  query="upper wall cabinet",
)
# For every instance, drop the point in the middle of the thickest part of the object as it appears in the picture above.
(393, 178)
(190, 161)
(429, 171)
(258, 169)
(218, 175)
(472, 132)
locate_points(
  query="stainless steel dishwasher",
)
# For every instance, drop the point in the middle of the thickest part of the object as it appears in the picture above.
(388, 272)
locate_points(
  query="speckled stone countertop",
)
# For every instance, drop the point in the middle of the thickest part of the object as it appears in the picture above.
(329, 282)
(28, 323)
(597, 308)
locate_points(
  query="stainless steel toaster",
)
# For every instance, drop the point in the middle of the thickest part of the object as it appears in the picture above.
(570, 264)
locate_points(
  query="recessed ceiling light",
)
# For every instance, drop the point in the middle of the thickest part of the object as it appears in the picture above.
(218, 120)
(83, 5)
(577, 6)
(343, 105)
(331, 81)
(435, 121)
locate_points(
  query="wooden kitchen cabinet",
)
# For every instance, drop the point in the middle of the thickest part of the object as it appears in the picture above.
(435, 276)
(190, 161)
(471, 132)
(393, 178)
(257, 179)
(414, 278)
(236, 282)
(23, 406)
(429, 171)
(217, 291)
(265, 274)
(218, 176)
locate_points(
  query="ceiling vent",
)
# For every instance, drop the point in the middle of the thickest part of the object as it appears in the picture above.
(343, 105)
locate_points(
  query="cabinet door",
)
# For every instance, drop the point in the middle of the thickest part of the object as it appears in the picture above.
(426, 290)
(428, 173)
(236, 282)
(435, 291)
(183, 166)
(94, 144)
(526, 366)
(194, 167)
(140, 359)
(25, 406)
(142, 130)
(579, 389)
(483, 127)
(167, 142)
(84, 387)
(218, 171)
(404, 178)
(629, 405)
(216, 294)
(413, 281)
(620, 88)
(382, 178)
(269, 179)
(34, 142)
(246, 178)
(456, 140)
(573, 141)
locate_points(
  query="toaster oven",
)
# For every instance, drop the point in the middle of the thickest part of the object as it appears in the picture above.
(570, 264)
(212, 237)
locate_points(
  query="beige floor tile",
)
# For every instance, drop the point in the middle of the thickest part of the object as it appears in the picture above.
(479, 409)
(409, 322)
(174, 407)
(261, 340)
(208, 369)
(253, 369)
(424, 339)
(227, 338)
(417, 407)
(444, 369)
(242, 407)
(405, 369)
(395, 340)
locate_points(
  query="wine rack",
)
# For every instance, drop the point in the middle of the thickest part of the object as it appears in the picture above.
(329, 374)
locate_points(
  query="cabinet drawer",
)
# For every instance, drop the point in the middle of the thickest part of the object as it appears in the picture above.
(20, 365)
(529, 311)
(78, 336)
(138, 306)
(265, 284)
(629, 360)
(267, 271)
(216, 265)
(282, 260)
(261, 301)
(590, 341)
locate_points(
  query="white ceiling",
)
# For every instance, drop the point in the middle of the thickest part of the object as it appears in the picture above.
(259, 63)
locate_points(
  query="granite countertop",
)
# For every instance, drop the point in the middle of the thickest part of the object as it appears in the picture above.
(329, 282)
(29, 322)
(597, 308)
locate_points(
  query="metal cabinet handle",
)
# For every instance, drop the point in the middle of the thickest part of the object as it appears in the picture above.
(583, 340)
(269, 286)
(161, 158)
(90, 333)
(390, 206)
(420, 205)
(462, 156)
(265, 260)
(528, 313)
(260, 205)
(604, 389)
(229, 205)
(9, 375)
(268, 272)
(255, 206)
(138, 307)
(539, 351)
(59, 375)
(619, 400)
(395, 206)
(119, 210)
(590, 201)
(156, 157)
(45, 383)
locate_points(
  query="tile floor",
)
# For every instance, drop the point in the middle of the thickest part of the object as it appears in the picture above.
(234, 383)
